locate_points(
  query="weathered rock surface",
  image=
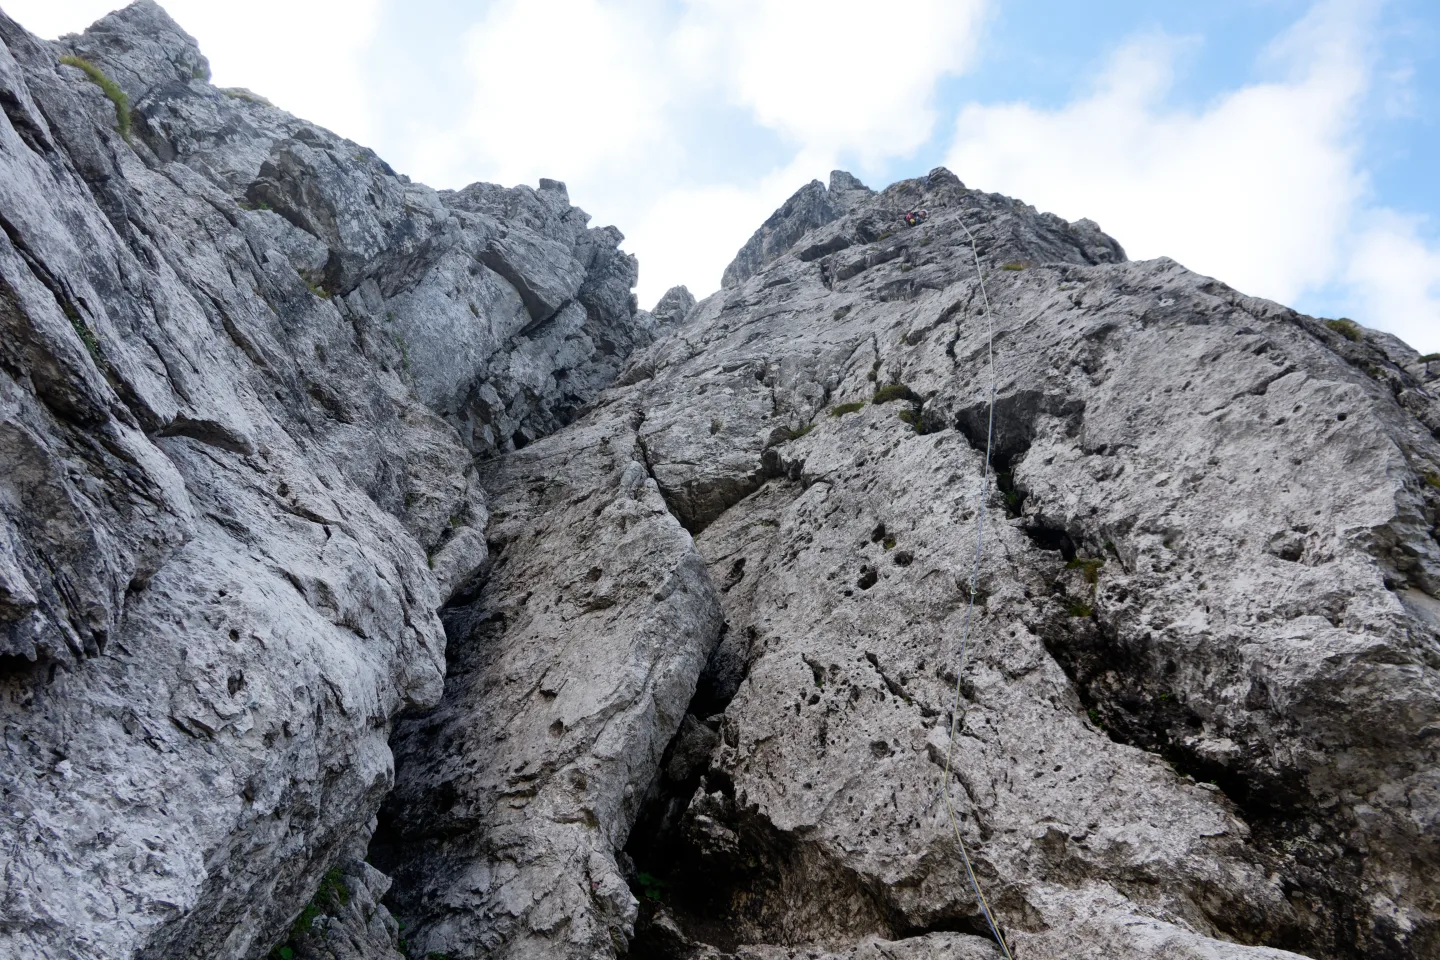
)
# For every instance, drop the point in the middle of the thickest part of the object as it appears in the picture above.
(568, 673)
(1197, 720)
(246, 368)
(697, 605)
(1201, 700)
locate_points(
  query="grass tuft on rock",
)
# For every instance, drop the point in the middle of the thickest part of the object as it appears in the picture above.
(795, 433)
(895, 391)
(841, 409)
(1348, 329)
(1089, 568)
(332, 895)
(87, 337)
(249, 96)
(110, 88)
(914, 418)
(1012, 265)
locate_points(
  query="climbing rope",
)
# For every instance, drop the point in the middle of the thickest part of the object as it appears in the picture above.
(970, 606)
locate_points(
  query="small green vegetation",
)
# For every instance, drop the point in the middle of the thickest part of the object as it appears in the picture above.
(1348, 329)
(109, 87)
(841, 409)
(1430, 358)
(1094, 716)
(318, 290)
(895, 391)
(912, 416)
(404, 349)
(906, 268)
(1012, 265)
(1433, 479)
(889, 542)
(874, 373)
(1079, 608)
(788, 433)
(651, 886)
(87, 336)
(1089, 568)
(1014, 497)
(240, 93)
(332, 895)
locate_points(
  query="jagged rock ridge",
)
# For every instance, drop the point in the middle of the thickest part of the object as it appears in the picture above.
(698, 643)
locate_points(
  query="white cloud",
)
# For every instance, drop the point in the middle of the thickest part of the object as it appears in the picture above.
(690, 233)
(53, 18)
(562, 88)
(302, 54)
(1261, 188)
(1254, 189)
(615, 97)
(834, 74)
(1395, 278)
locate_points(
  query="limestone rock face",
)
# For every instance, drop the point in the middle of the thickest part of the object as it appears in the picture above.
(1198, 712)
(1197, 715)
(569, 670)
(244, 371)
(377, 581)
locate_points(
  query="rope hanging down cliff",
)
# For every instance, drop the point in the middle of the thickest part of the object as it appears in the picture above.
(979, 509)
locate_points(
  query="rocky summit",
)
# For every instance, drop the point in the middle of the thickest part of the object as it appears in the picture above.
(377, 581)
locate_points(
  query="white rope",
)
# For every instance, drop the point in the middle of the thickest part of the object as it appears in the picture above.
(970, 606)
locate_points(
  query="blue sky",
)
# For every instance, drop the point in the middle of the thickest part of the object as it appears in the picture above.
(1287, 147)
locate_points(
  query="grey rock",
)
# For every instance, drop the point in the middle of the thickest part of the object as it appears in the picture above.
(674, 306)
(345, 920)
(1211, 558)
(569, 671)
(810, 207)
(1157, 612)
(288, 438)
(245, 369)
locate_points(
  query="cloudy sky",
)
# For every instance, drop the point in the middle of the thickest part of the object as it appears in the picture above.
(1287, 147)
